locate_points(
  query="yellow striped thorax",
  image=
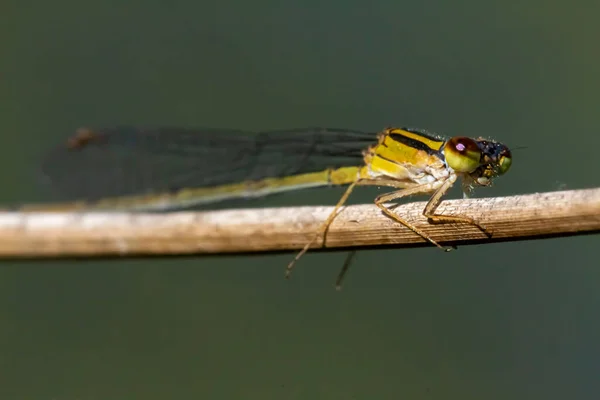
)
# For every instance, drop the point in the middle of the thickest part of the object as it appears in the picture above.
(421, 157)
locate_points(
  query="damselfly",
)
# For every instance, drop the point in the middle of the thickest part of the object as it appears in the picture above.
(174, 168)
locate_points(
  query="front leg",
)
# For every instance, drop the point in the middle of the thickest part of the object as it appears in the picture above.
(435, 201)
(415, 190)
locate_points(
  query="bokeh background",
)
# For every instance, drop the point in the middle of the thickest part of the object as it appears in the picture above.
(510, 320)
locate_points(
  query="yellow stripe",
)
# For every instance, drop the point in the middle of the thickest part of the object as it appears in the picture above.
(434, 144)
(191, 197)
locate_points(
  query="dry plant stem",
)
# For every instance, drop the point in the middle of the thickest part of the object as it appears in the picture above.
(79, 234)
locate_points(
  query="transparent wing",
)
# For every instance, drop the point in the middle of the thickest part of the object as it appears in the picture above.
(123, 161)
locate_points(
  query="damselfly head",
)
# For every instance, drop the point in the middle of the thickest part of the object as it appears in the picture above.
(481, 159)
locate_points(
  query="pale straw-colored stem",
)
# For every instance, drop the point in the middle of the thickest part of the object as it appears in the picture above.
(104, 234)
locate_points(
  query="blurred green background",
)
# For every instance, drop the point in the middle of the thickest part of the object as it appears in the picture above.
(512, 320)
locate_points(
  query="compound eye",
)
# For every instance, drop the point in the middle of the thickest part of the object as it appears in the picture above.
(462, 154)
(504, 163)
